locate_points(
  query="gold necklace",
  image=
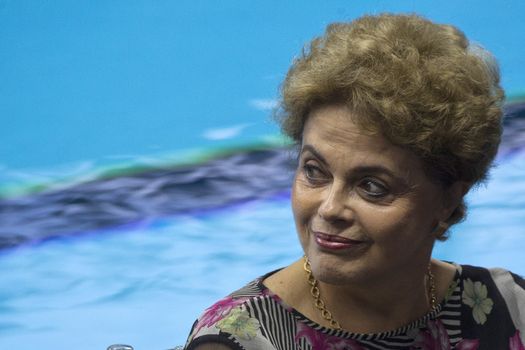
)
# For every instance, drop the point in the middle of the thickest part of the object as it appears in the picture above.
(327, 315)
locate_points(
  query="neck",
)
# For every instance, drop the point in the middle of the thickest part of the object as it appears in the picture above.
(380, 305)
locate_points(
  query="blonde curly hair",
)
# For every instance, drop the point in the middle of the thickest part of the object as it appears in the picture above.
(422, 85)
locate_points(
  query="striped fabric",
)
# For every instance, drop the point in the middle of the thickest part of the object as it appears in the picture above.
(253, 318)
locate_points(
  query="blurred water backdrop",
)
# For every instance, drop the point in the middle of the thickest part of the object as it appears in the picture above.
(141, 177)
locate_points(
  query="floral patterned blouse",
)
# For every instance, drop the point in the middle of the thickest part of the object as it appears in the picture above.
(484, 309)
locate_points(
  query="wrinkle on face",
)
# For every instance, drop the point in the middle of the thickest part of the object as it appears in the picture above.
(398, 227)
(338, 136)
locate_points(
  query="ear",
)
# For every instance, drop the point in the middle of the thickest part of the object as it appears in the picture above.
(452, 198)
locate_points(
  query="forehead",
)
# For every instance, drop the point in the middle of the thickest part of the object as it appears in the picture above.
(333, 131)
(336, 125)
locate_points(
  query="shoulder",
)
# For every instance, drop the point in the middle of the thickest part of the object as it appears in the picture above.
(507, 279)
(234, 322)
(494, 291)
(509, 284)
(512, 289)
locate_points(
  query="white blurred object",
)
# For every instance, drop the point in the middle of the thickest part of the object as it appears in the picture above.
(120, 347)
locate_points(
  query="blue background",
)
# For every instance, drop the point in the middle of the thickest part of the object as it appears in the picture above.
(87, 85)
(103, 80)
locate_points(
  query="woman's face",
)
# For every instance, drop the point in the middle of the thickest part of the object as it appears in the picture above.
(363, 207)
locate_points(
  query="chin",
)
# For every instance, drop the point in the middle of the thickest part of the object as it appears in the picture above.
(334, 278)
(331, 269)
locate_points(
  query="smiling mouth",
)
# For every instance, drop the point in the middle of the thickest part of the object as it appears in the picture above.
(334, 242)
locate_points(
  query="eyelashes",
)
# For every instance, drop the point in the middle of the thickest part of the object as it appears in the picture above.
(374, 188)
(368, 187)
(313, 173)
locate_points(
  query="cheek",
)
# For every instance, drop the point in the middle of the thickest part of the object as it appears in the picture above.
(398, 228)
(427, 212)
(298, 203)
(303, 205)
(299, 215)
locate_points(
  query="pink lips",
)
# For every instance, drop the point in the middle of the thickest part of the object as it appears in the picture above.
(335, 242)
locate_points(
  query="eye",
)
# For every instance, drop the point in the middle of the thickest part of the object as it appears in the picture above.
(313, 173)
(374, 188)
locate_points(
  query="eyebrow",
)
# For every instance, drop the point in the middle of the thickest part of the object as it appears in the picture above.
(311, 149)
(360, 169)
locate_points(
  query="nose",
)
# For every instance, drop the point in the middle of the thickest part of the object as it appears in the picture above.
(335, 204)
